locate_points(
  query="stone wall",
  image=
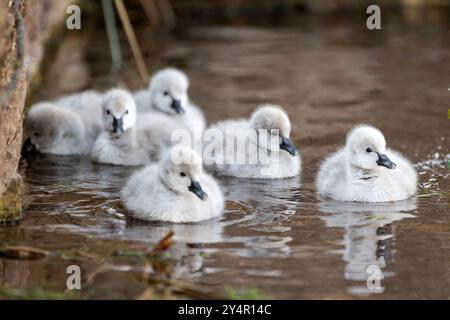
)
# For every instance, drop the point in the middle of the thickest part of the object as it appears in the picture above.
(10, 115)
(40, 18)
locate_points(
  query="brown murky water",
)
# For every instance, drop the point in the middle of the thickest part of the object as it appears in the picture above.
(274, 235)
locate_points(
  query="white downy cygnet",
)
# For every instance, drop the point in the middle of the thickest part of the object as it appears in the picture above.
(366, 171)
(167, 94)
(175, 190)
(265, 136)
(122, 142)
(68, 126)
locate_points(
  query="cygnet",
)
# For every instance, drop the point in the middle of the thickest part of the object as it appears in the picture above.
(175, 190)
(167, 94)
(122, 142)
(364, 170)
(68, 126)
(259, 147)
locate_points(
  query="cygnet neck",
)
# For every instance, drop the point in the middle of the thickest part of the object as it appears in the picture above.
(358, 173)
(126, 138)
(165, 183)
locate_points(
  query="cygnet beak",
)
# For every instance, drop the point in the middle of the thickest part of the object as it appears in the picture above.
(176, 105)
(287, 145)
(28, 147)
(196, 188)
(384, 161)
(118, 125)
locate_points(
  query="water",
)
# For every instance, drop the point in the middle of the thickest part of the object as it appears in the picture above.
(275, 235)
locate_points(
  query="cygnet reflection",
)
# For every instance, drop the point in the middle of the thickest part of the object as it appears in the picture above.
(369, 235)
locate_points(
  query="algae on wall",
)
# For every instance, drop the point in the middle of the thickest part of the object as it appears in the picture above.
(11, 201)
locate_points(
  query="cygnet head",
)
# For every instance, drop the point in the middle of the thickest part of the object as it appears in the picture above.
(366, 148)
(119, 111)
(181, 169)
(46, 124)
(169, 91)
(275, 120)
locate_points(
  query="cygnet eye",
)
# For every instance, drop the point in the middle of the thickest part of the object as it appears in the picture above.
(182, 174)
(108, 112)
(369, 149)
(166, 93)
(126, 112)
(36, 134)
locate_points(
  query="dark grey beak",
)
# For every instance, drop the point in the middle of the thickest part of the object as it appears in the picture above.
(384, 161)
(118, 125)
(176, 105)
(196, 188)
(28, 147)
(287, 145)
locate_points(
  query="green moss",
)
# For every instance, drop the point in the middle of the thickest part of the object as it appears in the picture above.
(247, 294)
(36, 293)
(11, 202)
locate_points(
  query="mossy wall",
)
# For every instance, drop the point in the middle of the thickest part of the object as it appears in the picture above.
(11, 201)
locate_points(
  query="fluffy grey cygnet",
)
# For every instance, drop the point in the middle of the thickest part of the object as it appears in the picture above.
(266, 134)
(68, 126)
(175, 190)
(167, 94)
(364, 170)
(122, 141)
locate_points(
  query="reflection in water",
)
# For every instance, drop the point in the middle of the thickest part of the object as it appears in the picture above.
(190, 240)
(74, 196)
(270, 203)
(369, 234)
(268, 206)
(210, 231)
(18, 273)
